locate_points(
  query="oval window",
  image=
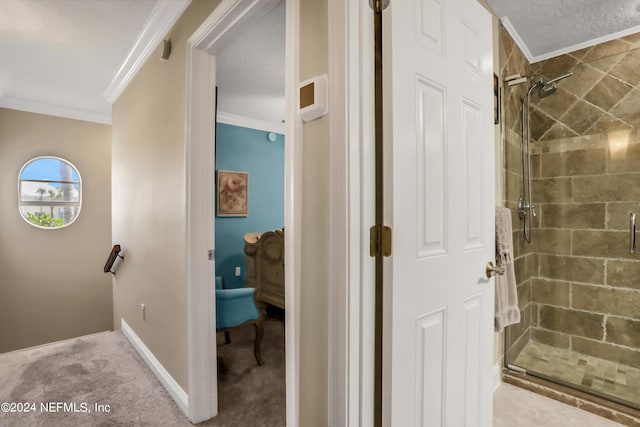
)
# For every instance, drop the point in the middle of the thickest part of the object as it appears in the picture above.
(49, 192)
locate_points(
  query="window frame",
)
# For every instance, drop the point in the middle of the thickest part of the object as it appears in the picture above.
(49, 203)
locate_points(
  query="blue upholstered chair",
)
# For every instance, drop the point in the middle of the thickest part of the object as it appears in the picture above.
(235, 308)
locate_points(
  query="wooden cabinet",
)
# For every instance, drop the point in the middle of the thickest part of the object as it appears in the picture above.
(265, 265)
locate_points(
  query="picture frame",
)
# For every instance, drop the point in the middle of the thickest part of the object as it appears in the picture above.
(232, 194)
(496, 100)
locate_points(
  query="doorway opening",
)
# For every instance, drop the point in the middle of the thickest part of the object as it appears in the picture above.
(209, 47)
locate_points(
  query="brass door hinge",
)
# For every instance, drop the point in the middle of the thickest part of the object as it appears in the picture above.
(380, 241)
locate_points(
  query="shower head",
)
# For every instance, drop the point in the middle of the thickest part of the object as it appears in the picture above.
(545, 89)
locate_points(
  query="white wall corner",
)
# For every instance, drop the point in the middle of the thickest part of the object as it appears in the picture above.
(173, 388)
(164, 15)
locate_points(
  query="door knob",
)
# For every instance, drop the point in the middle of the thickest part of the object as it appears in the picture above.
(491, 270)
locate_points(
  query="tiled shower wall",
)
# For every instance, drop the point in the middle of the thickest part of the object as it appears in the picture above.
(512, 62)
(579, 287)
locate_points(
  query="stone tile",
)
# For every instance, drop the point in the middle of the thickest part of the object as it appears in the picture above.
(605, 64)
(513, 157)
(551, 292)
(605, 50)
(581, 116)
(573, 215)
(535, 165)
(556, 66)
(598, 299)
(623, 274)
(519, 269)
(584, 270)
(558, 131)
(558, 104)
(571, 322)
(629, 162)
(606, 188)
(623, 331)
(576, 162)
(603, 244)
(533, 315)
(607, 92)
(524, 294)
(618, 215)
(552, 338)
(552, 241)
(540, 123)
(513, 187)
(606, 351)
(552, 190)
(608, 123)
(633, 40)
(515, 345)
(627, 68)
(531, 264)
(584, 78)
(629, 106)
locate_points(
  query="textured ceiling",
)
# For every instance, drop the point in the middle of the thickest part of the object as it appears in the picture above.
(63, 54)
(546, 28)
(250, 70)
(59, 57)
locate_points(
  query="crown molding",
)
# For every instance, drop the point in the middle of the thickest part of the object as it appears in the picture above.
(55, 110)
(588, 43)
(247, 122)
(162, 18)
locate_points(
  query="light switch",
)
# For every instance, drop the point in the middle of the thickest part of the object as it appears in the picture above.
(237, 271)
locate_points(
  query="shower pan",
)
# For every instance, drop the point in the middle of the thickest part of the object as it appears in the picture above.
(575, 191)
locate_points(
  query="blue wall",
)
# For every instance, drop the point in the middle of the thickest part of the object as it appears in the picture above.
(248, 150)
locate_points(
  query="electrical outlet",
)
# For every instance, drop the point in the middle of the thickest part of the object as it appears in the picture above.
(143, 310)
(237, 271)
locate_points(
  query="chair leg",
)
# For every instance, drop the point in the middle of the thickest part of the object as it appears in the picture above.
(227, 337)
(258, 342)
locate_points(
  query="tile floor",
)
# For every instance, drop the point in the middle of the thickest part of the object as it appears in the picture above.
(603, 376)
(517, 407)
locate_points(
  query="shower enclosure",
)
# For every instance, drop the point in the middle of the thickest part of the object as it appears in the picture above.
(572, 182)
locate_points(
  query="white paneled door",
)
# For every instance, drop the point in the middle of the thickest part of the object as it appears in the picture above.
(439, 200)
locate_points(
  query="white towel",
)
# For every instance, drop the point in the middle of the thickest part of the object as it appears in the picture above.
(507, 311)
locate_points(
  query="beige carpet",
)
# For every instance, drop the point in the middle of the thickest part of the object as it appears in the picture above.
(103, 369)
(517, 407)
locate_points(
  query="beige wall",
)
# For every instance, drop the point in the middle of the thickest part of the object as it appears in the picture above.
(315, 226)
(149, 213)
(149, 199)
(52, 284)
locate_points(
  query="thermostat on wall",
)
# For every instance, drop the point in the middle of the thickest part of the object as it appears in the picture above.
(313, 98)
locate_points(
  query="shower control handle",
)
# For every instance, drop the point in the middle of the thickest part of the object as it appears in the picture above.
(632, 233)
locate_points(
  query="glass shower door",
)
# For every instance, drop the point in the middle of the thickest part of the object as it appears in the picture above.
(578, 282)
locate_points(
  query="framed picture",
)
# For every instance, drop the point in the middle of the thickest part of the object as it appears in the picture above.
(496, 100)
(233, 192)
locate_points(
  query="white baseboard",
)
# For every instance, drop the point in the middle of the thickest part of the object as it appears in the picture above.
(173, 388)
(497, 369)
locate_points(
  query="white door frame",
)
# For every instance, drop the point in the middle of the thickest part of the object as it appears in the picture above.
(352, 210)
(200, 137)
